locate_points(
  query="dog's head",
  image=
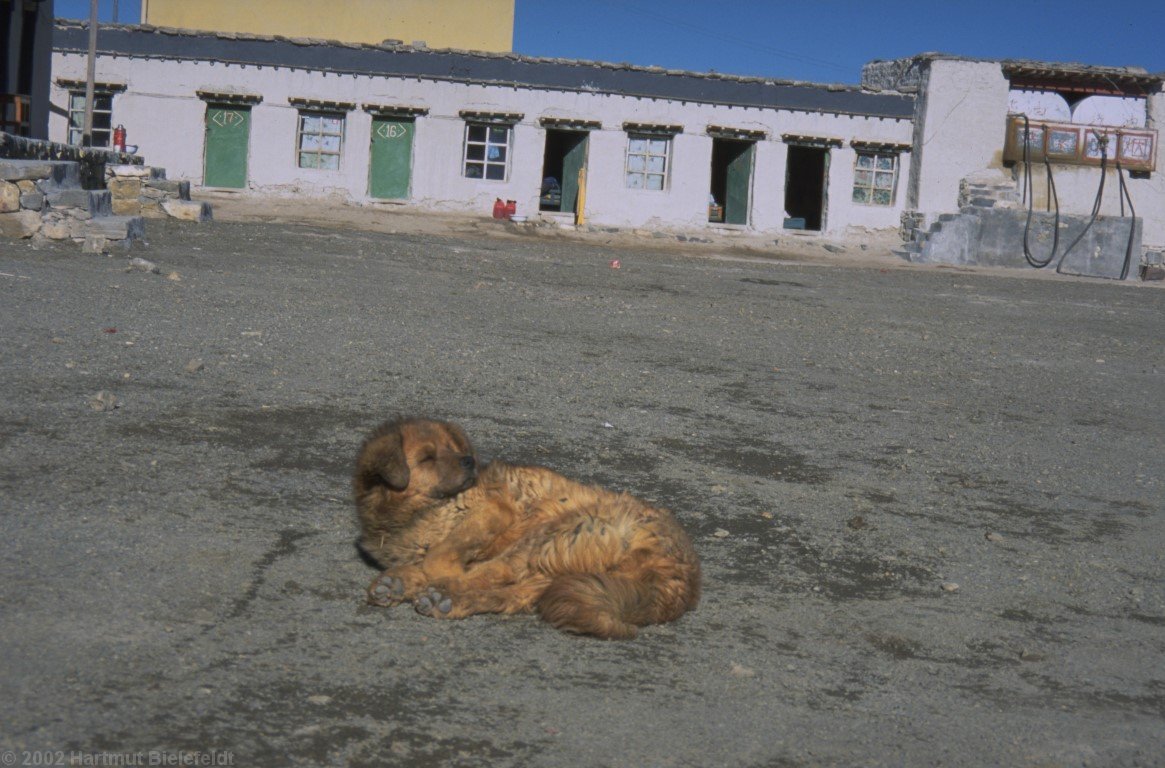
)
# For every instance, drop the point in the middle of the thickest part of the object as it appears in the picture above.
(408, 464)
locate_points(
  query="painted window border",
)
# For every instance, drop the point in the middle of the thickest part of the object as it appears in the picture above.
(74, 134)
(479, 138)
(867, 192)
(320, 136)
(646, 172)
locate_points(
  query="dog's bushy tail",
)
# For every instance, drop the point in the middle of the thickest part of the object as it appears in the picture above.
(606, 605)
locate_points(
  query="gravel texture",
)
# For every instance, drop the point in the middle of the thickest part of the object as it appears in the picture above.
(928, 503)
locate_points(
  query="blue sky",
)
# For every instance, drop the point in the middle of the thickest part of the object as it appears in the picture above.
(816, 40)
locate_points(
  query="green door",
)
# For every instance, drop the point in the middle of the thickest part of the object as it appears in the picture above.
(228, 133)
(573, 162)
(739, 182)
(391, 158)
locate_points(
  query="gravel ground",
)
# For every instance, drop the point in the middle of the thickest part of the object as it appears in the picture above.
(928, 503)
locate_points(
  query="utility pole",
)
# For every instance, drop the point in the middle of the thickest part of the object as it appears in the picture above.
(90, 76)
(114, 11)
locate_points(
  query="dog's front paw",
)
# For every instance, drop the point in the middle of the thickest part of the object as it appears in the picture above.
(386, 590)
(434, 603)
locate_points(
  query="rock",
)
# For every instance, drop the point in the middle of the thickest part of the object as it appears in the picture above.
(144, 265)
(195, 365)
(319, 699)
(834, 248)
(168, 188)
(95, 243)
(9, 197)
(720, 533)
(737, 670)
(19, 224)
(993, 536)
(104, 402)
(857, 522)
(124, 189)
(32, 201)
(1029, 655)
(129, 171)
(187, 210)
(950, 586)
(130, 207)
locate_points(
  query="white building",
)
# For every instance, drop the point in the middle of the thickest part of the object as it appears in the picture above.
(454, 130)
(448, 130)
(967, 108)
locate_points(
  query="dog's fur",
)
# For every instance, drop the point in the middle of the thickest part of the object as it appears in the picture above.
(456, 539)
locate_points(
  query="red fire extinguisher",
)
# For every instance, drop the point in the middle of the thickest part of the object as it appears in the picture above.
(119, 138)
(499, 208)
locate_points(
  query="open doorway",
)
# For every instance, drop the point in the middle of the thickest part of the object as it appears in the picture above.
(805, 187)
(564, 157)
(728, 200)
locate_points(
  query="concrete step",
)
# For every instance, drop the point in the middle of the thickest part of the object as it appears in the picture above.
(143, 172)
(49, 175)
(116, 227)
(93, 201)
(166, 188)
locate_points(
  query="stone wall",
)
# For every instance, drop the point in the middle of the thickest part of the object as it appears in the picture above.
(138, 190)
(902, 75)
(90, 160)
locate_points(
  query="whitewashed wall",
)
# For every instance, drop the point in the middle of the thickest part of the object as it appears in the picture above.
(961, 131)
(165, 119)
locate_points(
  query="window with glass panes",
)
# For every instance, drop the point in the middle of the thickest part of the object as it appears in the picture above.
(102, 118)
(487, 149)
(647, 161)
(320, 140)
(875, 174)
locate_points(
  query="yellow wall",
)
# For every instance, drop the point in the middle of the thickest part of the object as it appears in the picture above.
(484, 25)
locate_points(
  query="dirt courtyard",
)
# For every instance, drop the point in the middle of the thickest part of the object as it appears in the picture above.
(928, 501)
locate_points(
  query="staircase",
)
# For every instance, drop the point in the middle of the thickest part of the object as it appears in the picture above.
(991, 229)
(953, 237)
(43, 200)
(51, 205)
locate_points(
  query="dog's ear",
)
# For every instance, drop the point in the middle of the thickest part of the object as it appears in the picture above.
(383, 457)
(393, 466)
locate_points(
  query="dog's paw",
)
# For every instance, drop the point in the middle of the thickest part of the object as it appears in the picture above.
(434, 604)
(386, 590)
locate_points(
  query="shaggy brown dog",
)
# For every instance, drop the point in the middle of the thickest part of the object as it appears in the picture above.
(456, 539)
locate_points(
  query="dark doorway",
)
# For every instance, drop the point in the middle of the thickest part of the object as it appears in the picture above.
(565, 156)
(805, 189)
(731, 181)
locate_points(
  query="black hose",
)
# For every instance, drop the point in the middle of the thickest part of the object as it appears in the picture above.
(1102, 141)
(1132, 221)
(1053, 197)
(1027, 186)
